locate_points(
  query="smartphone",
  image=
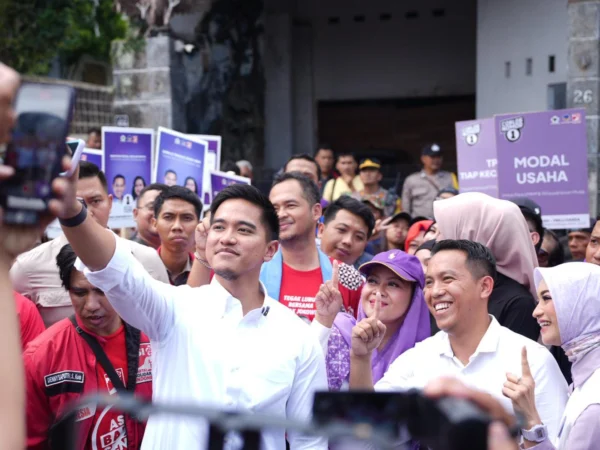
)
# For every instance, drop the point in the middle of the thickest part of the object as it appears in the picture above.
(36, 150)
(75, 148)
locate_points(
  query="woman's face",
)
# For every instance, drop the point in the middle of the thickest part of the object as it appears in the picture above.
(432, 234)
(139, 185)
(396, 294)
(191, 185)
(424, 256)
(545, 314)
(416, 243)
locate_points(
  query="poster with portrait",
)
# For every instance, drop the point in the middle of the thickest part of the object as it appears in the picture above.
(213, 161)
(128, 169)
(180, 160)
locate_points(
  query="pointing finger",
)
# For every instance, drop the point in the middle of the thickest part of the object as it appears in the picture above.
(377, 306)
(525, 363)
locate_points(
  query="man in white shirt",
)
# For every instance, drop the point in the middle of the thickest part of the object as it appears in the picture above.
(226, 344)
(472, 346)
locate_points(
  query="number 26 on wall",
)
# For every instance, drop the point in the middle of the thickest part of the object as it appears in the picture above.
(580, 96)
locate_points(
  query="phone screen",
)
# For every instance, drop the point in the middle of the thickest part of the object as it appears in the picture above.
(36, 150)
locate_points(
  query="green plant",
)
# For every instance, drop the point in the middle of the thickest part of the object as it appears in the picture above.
(33, 33)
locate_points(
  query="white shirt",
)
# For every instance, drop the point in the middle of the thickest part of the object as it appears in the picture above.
(498, 352)
(207, 352)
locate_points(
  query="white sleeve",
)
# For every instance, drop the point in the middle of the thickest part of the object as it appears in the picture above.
(399, 376)
(139, 299)
(310, 377)
(322, 333)
(551, 390)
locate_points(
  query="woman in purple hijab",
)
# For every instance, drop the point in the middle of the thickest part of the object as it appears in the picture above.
(568, 312)
(399, 278)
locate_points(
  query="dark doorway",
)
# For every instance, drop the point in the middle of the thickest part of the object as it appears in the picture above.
(395, 130)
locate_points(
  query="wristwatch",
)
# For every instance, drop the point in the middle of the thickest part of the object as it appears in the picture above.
(539, 433)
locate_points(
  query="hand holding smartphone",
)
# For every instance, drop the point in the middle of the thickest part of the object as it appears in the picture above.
(36, 150)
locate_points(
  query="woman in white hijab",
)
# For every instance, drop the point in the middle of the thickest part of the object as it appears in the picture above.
(568, 311)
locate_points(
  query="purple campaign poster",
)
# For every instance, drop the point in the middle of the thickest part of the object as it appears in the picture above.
(93, 156)
(476, 156)
(128, 169)
(220, 180)
(213, 157)
(543, 156)
(180, 160)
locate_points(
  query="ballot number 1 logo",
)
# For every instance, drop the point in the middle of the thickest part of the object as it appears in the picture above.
(512, 128)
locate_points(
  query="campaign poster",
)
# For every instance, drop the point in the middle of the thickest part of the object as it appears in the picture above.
(128, 169)
(213, 158)
(93, 156)
(543, 156)
(476, 156)
(180, 160)
(220, 180)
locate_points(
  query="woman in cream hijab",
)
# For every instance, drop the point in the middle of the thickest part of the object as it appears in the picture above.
(569, 313)
(500, 226)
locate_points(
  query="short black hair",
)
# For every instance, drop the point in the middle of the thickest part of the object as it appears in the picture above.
(557, 255)
(324, 146)
(95, 130)
(305, 157)
(480, 260)
(152, 187)
(65, 260)
(170, 171)
(173, 192)
(90, 170)
(353, 206)
(345, 153)
(252, 195)
(310, 190)
(118, 176)
(230, 166)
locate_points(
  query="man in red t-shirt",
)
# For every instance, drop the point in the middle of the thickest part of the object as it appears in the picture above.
(61, 367)
(30, 320)
(297, 271)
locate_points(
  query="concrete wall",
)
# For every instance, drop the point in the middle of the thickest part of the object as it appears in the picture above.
(511, 31)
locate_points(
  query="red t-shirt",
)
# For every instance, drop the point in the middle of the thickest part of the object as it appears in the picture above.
(298, 290)
(108, 428)
(30, 320)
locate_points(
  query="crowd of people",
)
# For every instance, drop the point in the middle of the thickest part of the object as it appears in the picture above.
(328, 282)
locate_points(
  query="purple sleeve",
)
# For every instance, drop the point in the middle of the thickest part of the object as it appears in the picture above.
(585, 434)
(337, 360)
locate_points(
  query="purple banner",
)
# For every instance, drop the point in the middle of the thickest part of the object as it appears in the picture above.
(213, 158)
(220, 180)
(476, 156)
(128, 169)
(93, 156)
(543, 156)
(180, 160)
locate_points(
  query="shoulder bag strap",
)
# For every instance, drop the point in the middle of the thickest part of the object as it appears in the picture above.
(100, 356)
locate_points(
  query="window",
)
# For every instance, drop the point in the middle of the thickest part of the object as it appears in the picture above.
(551, 63)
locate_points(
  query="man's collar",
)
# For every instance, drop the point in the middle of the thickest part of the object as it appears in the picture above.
(488, 344)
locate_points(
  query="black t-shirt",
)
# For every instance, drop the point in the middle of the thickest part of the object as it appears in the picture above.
(512, 305)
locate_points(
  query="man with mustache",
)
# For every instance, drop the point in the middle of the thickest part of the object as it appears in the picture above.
(176, 215)
(298, 269)
(61, 367)
(248, 353)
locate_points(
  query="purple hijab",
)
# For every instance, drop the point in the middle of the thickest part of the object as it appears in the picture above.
(415, 328)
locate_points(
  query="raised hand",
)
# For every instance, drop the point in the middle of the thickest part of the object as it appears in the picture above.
(521, 390)
(9, 84)
(368, 333)
(328, 301)
(201, 235)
